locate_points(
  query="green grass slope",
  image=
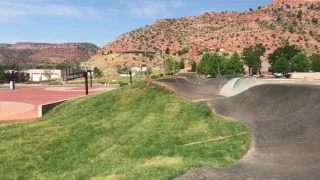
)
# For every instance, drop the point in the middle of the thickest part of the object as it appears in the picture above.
(128, 133)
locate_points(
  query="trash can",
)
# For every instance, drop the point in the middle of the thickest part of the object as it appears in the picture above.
(12, 85)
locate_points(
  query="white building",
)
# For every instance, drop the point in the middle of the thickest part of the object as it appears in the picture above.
(39, 74)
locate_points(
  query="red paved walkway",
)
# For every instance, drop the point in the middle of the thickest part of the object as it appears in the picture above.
(36, 97)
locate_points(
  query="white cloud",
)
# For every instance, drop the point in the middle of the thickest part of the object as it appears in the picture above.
(12, 10)
(146, 7)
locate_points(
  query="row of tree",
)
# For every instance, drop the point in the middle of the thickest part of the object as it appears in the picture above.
(290, 58)
(216, 65)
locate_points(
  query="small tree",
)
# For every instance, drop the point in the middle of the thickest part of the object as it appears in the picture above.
(61, 66)
(204, 65)
(315, 62)
(181, 64)
(170, 65)
(282, 66)
(287, 51)
(193, 66)
(167, 51)
(97, 73)
(2, 74)
(301, 63)
(251, 57)
(47, 73)
(299, 16)
(234, 65)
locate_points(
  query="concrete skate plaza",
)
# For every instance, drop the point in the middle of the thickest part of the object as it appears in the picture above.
(284, 120)
(22, 104)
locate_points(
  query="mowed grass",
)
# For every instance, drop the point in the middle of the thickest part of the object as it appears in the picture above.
(128, 133)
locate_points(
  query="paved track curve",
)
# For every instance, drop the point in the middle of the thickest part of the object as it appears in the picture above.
(285, 124)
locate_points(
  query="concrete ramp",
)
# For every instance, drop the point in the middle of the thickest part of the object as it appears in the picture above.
(238, 85)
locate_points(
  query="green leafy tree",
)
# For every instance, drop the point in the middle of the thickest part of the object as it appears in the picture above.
(282, 66)
(301, 63)
(181, 64)
(287, 51)
(234, 65)
(2, 74)
(171, 66)
(167, 51)
(97, 73)
(315, 62)
(61, 66)
(204, 65)
(251, 57)
(217, 65)
(193, 66)
(183, 51)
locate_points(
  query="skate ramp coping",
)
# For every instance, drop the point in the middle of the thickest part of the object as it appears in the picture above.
(238, 85)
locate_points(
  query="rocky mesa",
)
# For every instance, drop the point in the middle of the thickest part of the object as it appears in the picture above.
(46, 53)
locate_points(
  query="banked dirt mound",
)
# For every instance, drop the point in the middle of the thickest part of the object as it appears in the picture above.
(285, 123)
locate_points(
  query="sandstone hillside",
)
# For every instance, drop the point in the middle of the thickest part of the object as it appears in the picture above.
(271, 25)
(45, 53)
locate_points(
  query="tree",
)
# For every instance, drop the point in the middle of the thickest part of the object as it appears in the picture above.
(217, 65)
(314, 20)
(97, 73)
(47, 73)
(2, 74)
(193, 66)
(170, 65)
(214, 65)
(287, 51)
(299, 15)
(315, 62)
(234, 65)
(301, 63)
(204, 65)
(251, 57)
(181, 64)
(282, 66)
(167, 51)
(61, 66)
(183, 51)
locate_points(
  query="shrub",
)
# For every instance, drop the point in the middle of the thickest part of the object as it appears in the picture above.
(154, 76)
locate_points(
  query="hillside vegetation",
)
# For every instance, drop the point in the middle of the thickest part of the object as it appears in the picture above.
(271, 25)
(129, 133)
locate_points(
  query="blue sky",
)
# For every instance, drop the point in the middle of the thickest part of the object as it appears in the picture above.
(97, 21)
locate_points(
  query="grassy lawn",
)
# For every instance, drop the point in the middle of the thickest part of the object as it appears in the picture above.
(128, 133)
(4, 89)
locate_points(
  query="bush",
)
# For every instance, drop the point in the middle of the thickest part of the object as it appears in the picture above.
(154, 76)
(161, 75)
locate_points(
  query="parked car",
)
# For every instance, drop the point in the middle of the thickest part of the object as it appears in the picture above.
(280, 75)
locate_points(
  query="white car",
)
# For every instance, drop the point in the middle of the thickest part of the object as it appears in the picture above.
(278, 75)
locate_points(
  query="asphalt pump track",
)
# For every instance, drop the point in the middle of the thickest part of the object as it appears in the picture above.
(284, 120)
